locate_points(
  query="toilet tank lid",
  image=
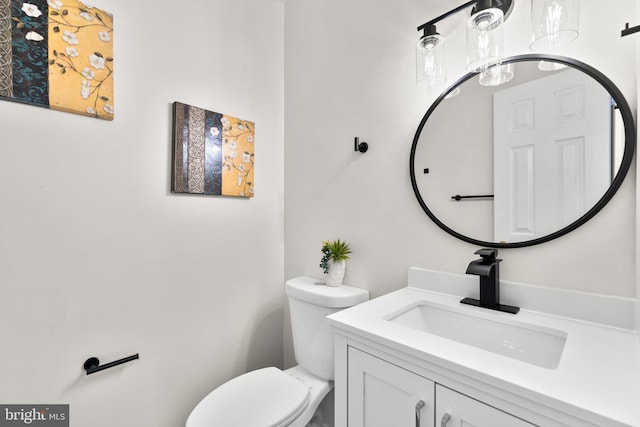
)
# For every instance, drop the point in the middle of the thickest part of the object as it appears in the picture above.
(314, 291)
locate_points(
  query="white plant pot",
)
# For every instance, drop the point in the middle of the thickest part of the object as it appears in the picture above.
(336, 273)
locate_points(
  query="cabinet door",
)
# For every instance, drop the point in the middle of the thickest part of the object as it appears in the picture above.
(381, 394)
(457, 410)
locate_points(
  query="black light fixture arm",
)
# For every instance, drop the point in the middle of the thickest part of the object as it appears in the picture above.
(445, 15)
(505, 5)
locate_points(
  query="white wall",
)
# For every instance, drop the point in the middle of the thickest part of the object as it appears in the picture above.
(98, 258)
(637, 186)
(350, 71)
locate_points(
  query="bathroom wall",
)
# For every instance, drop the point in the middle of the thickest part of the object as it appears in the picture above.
(637, 188)
(350, 71)
(98, 258)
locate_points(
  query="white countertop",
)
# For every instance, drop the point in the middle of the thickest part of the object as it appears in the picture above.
(598, 377)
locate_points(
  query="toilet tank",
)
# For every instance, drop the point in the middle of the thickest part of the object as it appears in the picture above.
(310, 301)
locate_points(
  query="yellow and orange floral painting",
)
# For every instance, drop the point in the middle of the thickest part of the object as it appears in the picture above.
(57, 54)
(213, 153)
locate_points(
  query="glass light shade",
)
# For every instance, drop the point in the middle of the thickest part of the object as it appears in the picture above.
(431, 66)
(550, 66)
(554, 23)
(496, 75)
(484, 39)
(454, 92)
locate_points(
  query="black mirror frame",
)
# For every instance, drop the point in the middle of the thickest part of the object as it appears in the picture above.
(629, 148)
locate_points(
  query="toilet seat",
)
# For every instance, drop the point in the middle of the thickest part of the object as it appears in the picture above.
(263, 398)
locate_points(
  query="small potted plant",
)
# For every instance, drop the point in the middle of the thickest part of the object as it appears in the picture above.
(335, 253)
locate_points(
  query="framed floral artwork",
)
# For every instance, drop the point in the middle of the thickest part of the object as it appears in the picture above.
(57, 54)
(212, 153)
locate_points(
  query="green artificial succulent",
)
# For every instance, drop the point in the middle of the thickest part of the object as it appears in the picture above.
(335, 250)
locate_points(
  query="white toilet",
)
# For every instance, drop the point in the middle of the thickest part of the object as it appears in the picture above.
(270, 397)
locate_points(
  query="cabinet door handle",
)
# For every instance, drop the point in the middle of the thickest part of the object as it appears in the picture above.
(445, 419)
(419, 407)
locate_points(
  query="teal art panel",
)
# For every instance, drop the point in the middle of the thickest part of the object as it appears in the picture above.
(6, 70)
(30, 63)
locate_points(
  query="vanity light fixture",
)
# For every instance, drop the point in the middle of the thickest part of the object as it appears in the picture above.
(496, 76)
(550, 66)
(454, 92)
(484, 37)
(484, 41)
(431, 68)
(554, 23)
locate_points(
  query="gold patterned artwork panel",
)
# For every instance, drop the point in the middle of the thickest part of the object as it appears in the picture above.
(57, 54)
(213, 153)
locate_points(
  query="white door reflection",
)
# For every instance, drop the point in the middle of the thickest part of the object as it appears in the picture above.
(550, 163)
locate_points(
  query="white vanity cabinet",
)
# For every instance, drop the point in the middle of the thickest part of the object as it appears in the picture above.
(540, 367)
(457, 410)
(383, 394)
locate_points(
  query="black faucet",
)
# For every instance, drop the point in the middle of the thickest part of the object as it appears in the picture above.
(488, 268)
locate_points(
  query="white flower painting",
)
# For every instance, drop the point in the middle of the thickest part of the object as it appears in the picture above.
(61, 56)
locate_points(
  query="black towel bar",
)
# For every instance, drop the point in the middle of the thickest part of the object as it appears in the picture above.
(92, 364)
(626, 31)
(458, 197)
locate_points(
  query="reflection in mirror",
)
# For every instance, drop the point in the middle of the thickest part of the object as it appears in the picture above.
(531, 150)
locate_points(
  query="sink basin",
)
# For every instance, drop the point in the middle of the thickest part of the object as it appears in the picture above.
(537, 345)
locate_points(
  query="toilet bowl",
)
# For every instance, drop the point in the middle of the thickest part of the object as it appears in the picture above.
(270, 397)
(266, 397)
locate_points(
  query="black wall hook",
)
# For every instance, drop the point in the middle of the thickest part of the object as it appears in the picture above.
(360, 146)
(92, 364)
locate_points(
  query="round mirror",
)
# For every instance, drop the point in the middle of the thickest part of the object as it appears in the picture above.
(523, 153)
